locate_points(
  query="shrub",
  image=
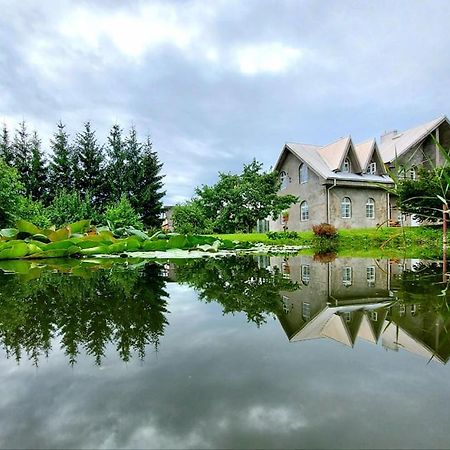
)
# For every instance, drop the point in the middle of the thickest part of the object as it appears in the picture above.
(276, 235)
(190, 218)
(34, 212)
(69, 207)
(325, 230)
(122, 214)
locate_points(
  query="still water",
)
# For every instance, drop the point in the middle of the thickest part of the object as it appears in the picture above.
(225, 353)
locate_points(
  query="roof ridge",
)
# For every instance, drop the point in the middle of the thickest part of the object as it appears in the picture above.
(303, 143)
(349, 136)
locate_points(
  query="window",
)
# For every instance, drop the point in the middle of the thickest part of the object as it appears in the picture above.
(346, 208)
(306, 311)
(346, 167)
(372, 168)
(373, 316)
(411, 174)
(370, 275)
(370, 208)
(347, 276)
(285, 302)
(348, 316)
(303, 173)
(284, 179)
(304, 211)
(305, 273)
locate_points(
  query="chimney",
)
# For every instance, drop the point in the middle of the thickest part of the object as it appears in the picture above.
(388, 135)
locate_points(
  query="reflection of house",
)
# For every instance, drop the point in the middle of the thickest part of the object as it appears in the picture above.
(349, 299)
(340, 183)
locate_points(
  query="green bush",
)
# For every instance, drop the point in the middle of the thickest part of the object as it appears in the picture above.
(69, 207)
(190, 219)
(33, 211)
(277, 235)
(122, 214)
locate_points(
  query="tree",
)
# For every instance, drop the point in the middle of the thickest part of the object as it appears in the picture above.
(89, 169)
(122, 214)
(62, 164)
(117, 164)
(22, 155)
(148, 190)
(10, 194)
(6, 151)
(38, 170)
(190, 218)
(237, 202)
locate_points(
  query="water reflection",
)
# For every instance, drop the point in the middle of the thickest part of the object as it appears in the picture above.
(398, 304)
(86, 309)
(402, 304)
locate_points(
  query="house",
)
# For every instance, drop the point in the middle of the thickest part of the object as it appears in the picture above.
(344, 183)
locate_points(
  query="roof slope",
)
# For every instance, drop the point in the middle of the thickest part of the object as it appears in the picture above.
(364, 152)
(397, 144)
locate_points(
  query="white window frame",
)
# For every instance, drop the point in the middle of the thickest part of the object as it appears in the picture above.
(370, 276)
(346, 166)
(285, 302)
(304, 211)
(284, 179)
(372, 168)
(306, 310)
(370, 208)
(347, 276)
(346, 208)
(305, 272)
(303, 174)
(411, 173)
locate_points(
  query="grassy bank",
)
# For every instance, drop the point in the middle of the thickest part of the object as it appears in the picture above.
(397, 242)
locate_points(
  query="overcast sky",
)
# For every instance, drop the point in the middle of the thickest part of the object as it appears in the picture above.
(216, 83)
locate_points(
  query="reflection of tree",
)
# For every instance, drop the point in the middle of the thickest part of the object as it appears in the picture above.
(126, 307)
(238, 284)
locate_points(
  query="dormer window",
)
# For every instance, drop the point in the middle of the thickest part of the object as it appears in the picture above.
(346, 166)
(284, 180)
(372, 168)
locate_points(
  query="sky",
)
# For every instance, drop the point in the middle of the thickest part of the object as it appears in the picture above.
(217, 83)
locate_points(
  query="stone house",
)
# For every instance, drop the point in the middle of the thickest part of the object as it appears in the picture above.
(344, 183)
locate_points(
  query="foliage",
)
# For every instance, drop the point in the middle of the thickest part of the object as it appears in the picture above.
(33, 211)
(237, 202)
(6, 152)
(10, 189)
(38, 170)
(238, 284)
(325, 230)
(121, 214)
(95, 305)
(191, 218)
(277, 235)
(70, 207)
(22, 155)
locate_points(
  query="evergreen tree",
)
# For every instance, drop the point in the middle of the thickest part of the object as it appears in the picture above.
(62, 164)
(89, 170)
(38, 172)
(148, 189)
(133, 156)
(117, 164)
(22, 155)
(6, 151)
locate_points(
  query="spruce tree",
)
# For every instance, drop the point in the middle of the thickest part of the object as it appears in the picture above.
(89, 171)
(38, 170)
(22, 155)
(117, 165)
(149, 187)
(133, 155)
(6, 151)
(62, 164)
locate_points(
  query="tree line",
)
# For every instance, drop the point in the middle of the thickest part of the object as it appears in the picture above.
(83, 175)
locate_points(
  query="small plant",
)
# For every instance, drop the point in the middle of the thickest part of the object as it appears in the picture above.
(122, 214)
(277, 235)
(325, 238)
(325, 230)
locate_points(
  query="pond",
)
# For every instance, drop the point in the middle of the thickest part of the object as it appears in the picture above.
(236, 352)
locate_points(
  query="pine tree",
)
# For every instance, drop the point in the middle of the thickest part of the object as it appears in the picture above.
(62, 164)
(6, 152)
(22, 155)
(117, 164)
(148, 189)
(38, 172)
(89, 171)
(133, 155)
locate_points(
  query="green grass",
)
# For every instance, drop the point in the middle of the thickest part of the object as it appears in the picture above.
(395, 242)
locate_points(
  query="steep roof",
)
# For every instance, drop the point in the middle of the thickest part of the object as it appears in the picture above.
(333, 154)
(364, 151)
(398, 143)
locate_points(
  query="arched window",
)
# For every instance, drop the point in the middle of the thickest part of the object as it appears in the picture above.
(372, 168)
(370, 208)
(411, 174)
(305, 274)
(304, 211)
(346, 208)
(303, 173)
(346, 167)
(284, 179)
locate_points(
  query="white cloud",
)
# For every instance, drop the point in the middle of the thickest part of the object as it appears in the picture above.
(266, 58)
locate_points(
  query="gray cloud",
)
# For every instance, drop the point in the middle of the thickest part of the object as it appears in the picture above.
(218, 83)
